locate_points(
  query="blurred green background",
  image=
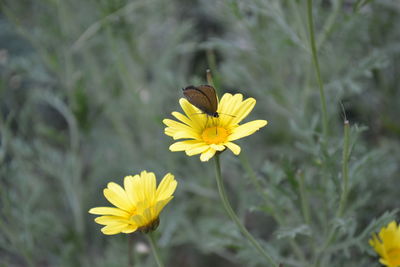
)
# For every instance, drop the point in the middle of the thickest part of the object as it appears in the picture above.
(85, 85)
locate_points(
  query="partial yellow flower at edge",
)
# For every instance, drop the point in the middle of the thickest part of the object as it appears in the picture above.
(137, 205)
(387, 245)
(206, 135)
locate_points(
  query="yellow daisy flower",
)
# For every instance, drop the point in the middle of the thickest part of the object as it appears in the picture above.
(206, 135)
(387, 245)
(137, 205)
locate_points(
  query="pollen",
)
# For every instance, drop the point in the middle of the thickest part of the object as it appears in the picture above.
(215, 135)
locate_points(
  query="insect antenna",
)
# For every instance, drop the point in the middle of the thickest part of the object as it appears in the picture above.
(233, 116)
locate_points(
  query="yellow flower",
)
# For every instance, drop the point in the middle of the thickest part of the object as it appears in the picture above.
(206, 135)
(387, 245)
(138, 204)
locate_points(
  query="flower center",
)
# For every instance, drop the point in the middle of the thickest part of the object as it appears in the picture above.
(133, 211)
(394, 256)
(215, 135)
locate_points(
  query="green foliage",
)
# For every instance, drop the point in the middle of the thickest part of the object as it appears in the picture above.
(84, 86)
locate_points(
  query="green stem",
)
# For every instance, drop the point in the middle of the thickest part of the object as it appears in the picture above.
(345, 191)
(317, 70)
(235, 219)
(154, 248)
(345, 170)
(212, 65)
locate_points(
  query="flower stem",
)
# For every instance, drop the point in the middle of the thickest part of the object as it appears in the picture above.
(317, 70)
(214, 79)
(232, 215)
(345, 170)
(154, 248)
(345, 190)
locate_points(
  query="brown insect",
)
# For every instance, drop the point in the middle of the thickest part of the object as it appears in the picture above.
(204, 98)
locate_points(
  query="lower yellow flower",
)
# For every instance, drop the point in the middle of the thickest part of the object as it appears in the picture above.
(206, 135)
(137, 205)
(387, 244)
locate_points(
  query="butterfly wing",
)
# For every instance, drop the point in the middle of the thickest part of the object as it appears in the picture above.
(209, 91)
(202, 97)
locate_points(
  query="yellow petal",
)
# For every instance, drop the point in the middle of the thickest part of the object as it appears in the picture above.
(128, 185)
(108, 211)
(378, 246)
(384, 262)
(153, 212)
(177, 126)
(234, 148)
(200, 148)
(225, 100)
(184, 119)
(139, 220)
(246, 129)
(230, 106)
(113, 229)
(184, 145)
(129, 229)
(117, 189)
(387, 234)
(208, 154)
(226, 108)
(169, 131)
(243, 110)
(198, 121)
(160, 205)
(149, 185)
(117, 200)
(217, 147)
(149, 215)
(106, 220)
(188, 134)
(167, 187)
(138, 189)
